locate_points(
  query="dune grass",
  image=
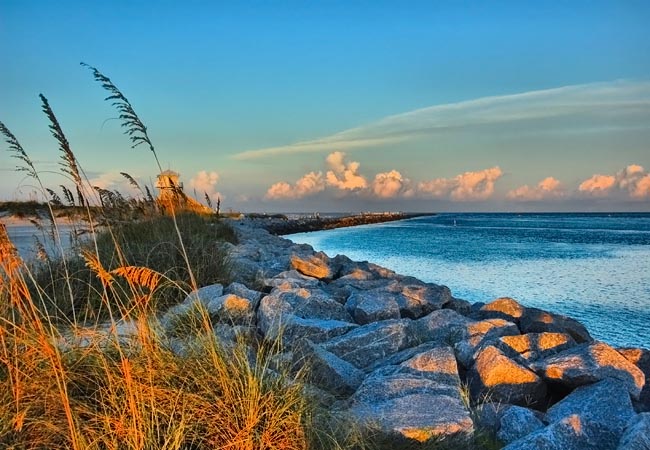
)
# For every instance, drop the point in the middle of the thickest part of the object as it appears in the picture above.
(84, 361)
(99, 388)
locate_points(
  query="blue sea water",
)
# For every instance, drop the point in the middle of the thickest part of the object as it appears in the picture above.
(25, 237)
(593, 267)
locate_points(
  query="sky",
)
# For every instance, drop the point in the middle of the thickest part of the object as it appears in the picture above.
(282, 106)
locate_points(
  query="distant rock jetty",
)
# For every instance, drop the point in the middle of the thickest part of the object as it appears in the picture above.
(281, 225)
(411, 363)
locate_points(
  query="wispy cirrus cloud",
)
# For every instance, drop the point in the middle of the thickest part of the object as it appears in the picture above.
(594, 100)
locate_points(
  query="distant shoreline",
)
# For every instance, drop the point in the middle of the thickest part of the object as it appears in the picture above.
(282, 227)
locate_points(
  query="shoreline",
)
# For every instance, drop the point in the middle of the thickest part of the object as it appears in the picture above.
(370, 334)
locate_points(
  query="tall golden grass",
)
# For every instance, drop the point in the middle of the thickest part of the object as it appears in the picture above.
(84, 361)
(96, 387)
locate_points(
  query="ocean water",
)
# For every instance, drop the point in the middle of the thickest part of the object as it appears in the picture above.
(25, 237)
(593, 267)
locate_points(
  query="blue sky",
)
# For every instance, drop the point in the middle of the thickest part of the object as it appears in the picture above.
(362, 105)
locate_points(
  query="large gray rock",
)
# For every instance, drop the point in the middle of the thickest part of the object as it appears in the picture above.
(444, 326)
(497, 377)
(259, 254)
(602, 410)
(382, 385)
(291, 329)
(414, 401)
(298, 302)
(566, 434)
(417, 417)
(369, 343)
(343, 287)
(516, 423)
(589, 363)
(637, 434)
(246, 270)
(538, 321)
(296, 314)
(205, 294)
(372, 306)
(328, 371)
(437, 364)
(416, 299)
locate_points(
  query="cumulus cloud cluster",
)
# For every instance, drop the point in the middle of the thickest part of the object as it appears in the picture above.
(468, 186)
(205, 182)
(548, 188)
(344, 175)
(309, 184)
(391, 184)
(633, 180)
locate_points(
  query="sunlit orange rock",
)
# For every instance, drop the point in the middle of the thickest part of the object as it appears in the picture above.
(503, 308)
(315, 265)
(533, 346)
(588, 363)
(499, 378)
(481, 334)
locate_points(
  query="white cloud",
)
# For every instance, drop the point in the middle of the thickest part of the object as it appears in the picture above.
(205, 183)
(467, 186)
(390, 185)
(586, 101)
(548, 188)
(344, 175)
(308, 184)
(115, 181)
(632, 181)
(598, 184)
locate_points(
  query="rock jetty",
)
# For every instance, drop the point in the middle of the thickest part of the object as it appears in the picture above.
(410, 363)
(280, 225)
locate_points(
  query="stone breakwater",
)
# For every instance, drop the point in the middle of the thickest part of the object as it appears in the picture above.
(410, 362)
(280, 226)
